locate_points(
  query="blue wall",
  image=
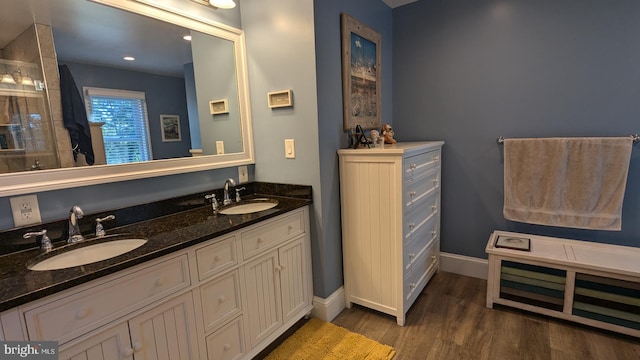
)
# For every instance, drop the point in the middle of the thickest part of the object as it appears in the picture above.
(467, 72)
(378, 16)
(164, 95)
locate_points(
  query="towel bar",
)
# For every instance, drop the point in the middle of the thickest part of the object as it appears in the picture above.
(634, 137)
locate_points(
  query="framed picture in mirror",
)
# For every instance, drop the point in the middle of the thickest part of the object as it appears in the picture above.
(170, 125)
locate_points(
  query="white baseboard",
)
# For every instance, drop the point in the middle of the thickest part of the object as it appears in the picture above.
(327, 309)
(464, 265)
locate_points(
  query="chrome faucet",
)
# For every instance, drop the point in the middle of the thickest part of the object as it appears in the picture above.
(100, 228)
(45, 242)
(227, 183)
(74, 228)
(214, 202)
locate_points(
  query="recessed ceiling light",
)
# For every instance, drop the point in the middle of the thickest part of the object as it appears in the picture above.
(187, 37)
(129, 58)
(223, 4)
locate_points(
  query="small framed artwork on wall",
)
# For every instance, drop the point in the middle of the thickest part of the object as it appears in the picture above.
(170, 126)
(361, 70)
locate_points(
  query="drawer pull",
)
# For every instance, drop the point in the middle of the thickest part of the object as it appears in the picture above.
(82, 313)
(127, 352)
(137, 347)
(289, 229)
(227, 347)
(411, 256)
(412, 193)
(412, 285)
(433, 257)
(412, 225)
(436, 182)
(435, 208)
(413, 166)
(222, 299)
(259, 240)
(216, 258)
(436, 158)
(434, 233)
(159, 282)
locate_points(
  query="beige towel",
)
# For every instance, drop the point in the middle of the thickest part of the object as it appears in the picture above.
(567, 182)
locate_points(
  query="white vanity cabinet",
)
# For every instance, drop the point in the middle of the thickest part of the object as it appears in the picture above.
(227, 298)
(390, 202)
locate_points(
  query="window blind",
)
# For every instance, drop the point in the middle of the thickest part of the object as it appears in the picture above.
(126, 126)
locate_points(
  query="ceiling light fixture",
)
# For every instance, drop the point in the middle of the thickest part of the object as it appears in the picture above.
(129, 58)
(223, 4)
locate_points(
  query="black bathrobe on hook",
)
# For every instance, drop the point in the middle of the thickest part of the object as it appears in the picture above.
(74, 116)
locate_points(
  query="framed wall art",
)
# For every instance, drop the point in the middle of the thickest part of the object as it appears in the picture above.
(361, 70)
(170, 125)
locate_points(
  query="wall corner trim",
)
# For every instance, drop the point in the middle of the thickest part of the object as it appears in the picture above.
(327, 309)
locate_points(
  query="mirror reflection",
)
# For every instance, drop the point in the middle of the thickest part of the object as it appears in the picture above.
(151, 90)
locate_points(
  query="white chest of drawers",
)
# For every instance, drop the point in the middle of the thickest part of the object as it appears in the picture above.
(390, 202)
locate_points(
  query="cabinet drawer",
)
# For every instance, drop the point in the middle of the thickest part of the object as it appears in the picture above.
(265, 236)
(227, 343)
(419, 188)
(418, 242)
(214, 258)
(221, 300)
(68, 317)
(421, 272)
(418, 164)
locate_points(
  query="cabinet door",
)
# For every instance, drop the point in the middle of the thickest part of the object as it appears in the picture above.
(111, 344)
(293, 278)
(263, 297)
(166, 332)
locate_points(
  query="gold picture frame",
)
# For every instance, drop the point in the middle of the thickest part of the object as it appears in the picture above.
(361, 70)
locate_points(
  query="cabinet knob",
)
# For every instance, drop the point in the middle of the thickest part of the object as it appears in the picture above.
(216, 258)
(127, 352)
(412, 225)
(436, 182)
(413, 166)
(222, 299)
(227, 347)
(435, 208)
(279, 267)
(290, 229)
(137, 346)
(412, 193)
(412, 255)
(159, 282)
(412, 285)
(259, 240)
(433, 257)
(82, 313)
(436, 158)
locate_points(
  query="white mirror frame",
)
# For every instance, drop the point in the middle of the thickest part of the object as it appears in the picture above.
(54, 179)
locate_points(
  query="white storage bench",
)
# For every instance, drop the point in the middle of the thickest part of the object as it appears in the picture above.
(590, 283)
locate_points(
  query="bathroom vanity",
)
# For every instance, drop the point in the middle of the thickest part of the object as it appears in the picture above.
(202, 287)
(390, 201)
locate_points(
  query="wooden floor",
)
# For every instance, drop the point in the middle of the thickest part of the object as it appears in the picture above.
(449, 320)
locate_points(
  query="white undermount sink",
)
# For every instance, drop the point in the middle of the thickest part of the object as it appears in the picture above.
(88, 254)
(250, 206)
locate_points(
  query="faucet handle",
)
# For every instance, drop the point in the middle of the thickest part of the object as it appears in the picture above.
(45, 243)
(238, 193)
(214, 202)
(99, 228)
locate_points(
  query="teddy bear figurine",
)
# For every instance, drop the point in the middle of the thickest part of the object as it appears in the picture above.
(387, 133)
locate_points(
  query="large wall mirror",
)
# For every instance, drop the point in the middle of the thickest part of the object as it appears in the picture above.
(193, 92)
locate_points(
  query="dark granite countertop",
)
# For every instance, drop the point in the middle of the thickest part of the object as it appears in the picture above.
(166, 234)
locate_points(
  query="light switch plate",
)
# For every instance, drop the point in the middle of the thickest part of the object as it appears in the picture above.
(243, 174)
(25, 210)
(289, 148)
(219, 147)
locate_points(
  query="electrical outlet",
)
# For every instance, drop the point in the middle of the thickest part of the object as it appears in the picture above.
(243, 174)
(25, 210)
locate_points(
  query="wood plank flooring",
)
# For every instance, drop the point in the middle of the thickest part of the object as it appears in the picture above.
(449, 320)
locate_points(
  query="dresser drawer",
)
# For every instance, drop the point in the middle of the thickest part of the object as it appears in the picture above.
(272, 233)
(68, 317)
(221, 300)
(418, 242)
(419, 213)
(422, 270)
(214, 258)
(416, 165)
(417, 188)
